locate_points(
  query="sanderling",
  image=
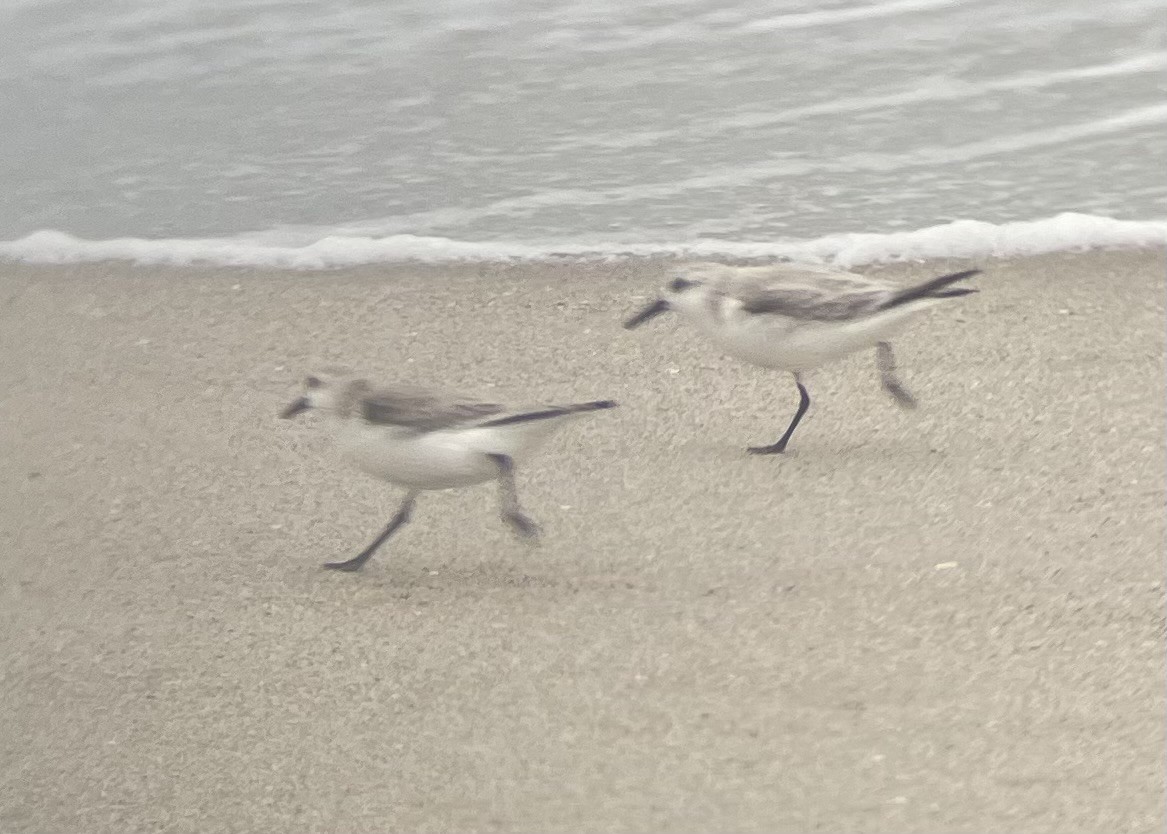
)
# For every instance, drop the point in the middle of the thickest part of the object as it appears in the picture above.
(422, 439)
(796, 317)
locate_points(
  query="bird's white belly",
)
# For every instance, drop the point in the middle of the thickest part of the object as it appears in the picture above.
(419, 460)
(803, 345)
(437, 459)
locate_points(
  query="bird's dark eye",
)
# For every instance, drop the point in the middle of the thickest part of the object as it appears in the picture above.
(681, 284)
(312, 382)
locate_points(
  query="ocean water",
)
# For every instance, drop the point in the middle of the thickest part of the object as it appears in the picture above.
(311, 133)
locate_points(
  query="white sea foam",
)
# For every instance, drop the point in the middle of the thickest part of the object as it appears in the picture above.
(960, 239)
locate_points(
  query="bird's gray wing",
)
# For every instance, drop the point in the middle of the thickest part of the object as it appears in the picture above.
(821, 298)
(422, 410)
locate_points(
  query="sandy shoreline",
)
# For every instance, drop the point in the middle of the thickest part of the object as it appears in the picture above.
(948, 619)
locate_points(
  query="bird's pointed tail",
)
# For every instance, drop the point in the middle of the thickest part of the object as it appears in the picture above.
(934, 288)
(550, 412)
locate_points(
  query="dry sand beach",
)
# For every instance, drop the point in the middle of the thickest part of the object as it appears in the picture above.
(943, 620)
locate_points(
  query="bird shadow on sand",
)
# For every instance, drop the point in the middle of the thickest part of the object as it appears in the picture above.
(421, 583)
(810, 452)
(404, 577)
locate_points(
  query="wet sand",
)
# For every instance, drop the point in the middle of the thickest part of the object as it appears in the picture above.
(950, 619)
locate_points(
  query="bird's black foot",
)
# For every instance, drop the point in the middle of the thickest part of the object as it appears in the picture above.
(351, 566)
(886, 360)
(524, 527)
(357, 562)
(773, 449)
(899, 393)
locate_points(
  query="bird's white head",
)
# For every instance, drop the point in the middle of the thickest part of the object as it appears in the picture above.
(681, 293)
(325, 390)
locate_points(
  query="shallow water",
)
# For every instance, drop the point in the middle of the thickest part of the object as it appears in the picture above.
(488, 120)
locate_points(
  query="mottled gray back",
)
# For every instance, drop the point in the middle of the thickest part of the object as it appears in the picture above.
(820, 303)
(416, 408)
(802, 291)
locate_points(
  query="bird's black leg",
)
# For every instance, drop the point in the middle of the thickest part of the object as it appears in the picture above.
(886, 361)
(355, 563)
(512, 513)
(780, 447)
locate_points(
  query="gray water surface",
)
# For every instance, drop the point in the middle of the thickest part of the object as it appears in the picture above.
(521, 121)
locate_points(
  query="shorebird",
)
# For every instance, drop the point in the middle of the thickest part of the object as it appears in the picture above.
(796, 317)
(423, 439)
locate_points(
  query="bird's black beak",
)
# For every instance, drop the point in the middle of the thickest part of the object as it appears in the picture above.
(295, 408)
(650, 312)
